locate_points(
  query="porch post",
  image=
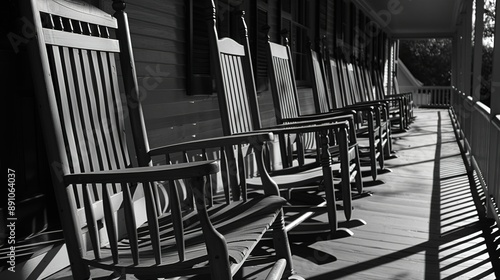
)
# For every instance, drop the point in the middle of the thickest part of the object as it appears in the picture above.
(467, 25)
(494, 161)
(478, 51)
(454, 57)
(495, 77)
(461, 56)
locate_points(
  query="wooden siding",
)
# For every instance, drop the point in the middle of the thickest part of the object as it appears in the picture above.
(159, 40)
(158, 30)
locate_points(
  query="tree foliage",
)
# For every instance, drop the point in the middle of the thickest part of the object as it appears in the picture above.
(428, 60)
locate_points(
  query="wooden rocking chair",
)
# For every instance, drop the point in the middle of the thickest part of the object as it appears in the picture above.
(346, 92)
(112, 214)
(287, 109)
(239, 110)
(373, 150)
(396, 105)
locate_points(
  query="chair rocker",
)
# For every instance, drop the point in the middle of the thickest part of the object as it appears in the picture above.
(115, 217)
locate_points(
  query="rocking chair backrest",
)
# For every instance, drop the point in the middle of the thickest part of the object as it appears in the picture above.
(320, 94)
(347, 71)
(336, 84)
(81, 85)
(283, 82)
(76, 90)
(334, 80)
(234, 79)
(73, 58)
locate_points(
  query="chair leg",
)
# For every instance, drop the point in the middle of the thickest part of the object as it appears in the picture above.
(79, 270)
(345, 162)
(358, 177)
(373, 157)
(381, 153)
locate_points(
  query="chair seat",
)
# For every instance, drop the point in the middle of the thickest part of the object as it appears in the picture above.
(364, 143)
(241, 223)
(307, 177)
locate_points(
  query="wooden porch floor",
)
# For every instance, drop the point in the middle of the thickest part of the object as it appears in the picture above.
(422, 222)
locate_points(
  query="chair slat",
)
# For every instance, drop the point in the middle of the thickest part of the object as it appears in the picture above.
(177, 221)
(91, 222)
(242, 174)
(130, 224)
(225, 174)
(109, 218)
(152, 215)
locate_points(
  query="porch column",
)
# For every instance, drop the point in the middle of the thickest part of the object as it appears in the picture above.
(494, 125)
(454, 57)
(478, 51)
(467, 27)
(495, 77)
(460, 55)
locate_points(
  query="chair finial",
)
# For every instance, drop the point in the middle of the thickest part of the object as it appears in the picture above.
(243, 26)
(284, 35)
(265, 29)
(119, 5)
(325, 48)
(211, 14)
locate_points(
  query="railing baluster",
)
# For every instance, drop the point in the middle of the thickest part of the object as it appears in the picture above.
(438, 96)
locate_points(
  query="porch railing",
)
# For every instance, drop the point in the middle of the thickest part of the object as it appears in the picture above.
(432, 96)
(480, 138)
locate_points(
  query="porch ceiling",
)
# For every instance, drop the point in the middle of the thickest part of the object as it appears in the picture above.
(414, 18)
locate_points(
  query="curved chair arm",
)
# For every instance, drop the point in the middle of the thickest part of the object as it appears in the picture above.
(144, 174)
(257, 138)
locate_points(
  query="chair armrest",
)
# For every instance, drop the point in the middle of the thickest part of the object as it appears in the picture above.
(244, 138)
(317, 119)
(276, 272)
(334, 112)
(370, 107)
(145, 174)
(309, 126)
